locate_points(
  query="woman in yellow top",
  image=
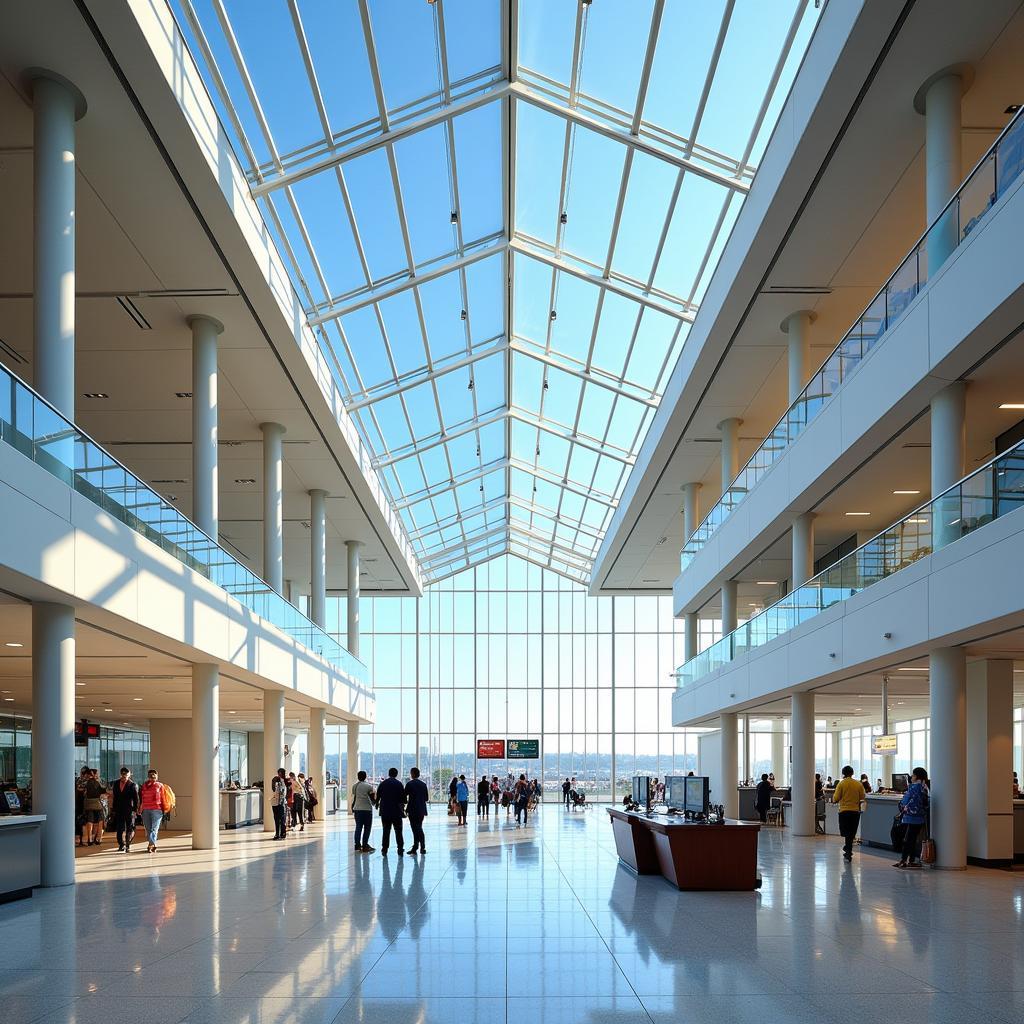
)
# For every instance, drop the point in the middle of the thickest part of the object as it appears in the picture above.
(848, 794)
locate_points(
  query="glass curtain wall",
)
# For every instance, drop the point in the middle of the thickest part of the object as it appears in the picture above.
(508, 650)
(234, 758)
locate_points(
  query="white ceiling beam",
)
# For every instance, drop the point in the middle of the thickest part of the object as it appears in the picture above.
(418, 447)
(637, 142)
(550, 428)
(497, 466)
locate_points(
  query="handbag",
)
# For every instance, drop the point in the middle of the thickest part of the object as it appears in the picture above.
(928, 851)
(897, 833)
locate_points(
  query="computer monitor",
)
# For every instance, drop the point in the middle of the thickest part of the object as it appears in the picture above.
(900, 783)
(12, 802)
(697, 794)
(642, 790)
(675, 792)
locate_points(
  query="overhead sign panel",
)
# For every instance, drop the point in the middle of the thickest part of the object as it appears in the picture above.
(523, 749)
(884, 744)
(486, 749)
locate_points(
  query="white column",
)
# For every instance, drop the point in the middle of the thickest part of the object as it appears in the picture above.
(887, 760)
(205, 757)
(729, 796)
(779, 763)
(746, 747)
(315, 756)
(56, 105)
(803, 549)
(801, 735)
(273, 749)
(948, 452)
(728, 606)
(939, 100)
(273, 506)
(990, 760)
(318, 557)
(205, 484)
(834, 765)
(353, 761)
(53, 737)
(797, 328)
(352, 547)
(690, 636)
(730, 430)
(948, 756)
(691, 510)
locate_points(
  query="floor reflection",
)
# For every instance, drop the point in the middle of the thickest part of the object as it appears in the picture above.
(506, 924)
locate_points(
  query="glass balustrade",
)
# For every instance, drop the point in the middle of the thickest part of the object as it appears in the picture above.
(988, 493)
(29, 424)
(991, 177)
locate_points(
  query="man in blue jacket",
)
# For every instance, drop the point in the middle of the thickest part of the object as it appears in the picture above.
(391, 805)
(417, 796)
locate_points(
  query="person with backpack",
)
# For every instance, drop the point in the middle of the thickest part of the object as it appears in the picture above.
(363, 798)
(462, 799)
(125, 806)
(849, 794)
(94, 792)
(299, 801)
(157, 799)
(279, 803)
(522, 799)
(913, 814)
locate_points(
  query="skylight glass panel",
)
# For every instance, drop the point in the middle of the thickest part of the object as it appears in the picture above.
(501, 323)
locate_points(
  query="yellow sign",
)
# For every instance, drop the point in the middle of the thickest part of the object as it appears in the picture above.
(884, 744)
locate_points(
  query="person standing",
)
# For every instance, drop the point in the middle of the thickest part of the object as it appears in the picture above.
(391, 807)
(93, 807)
(125, 806)
(363, 799)
(299, 802)
(849, 794)
(522, 799)
(913, 814)
(279, 803)
(462, 799)
(763, 798)
(566, 790)
(819, 787)
(311, 798)
(151, 797)
(483, 797)
(417, 798)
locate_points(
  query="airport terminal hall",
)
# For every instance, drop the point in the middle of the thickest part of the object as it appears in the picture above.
(512, 511)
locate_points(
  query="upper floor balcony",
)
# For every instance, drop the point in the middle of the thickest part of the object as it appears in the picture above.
(31, 426)
(992, 176)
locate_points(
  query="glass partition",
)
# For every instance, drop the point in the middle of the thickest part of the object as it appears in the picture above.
(32, 426)
(988, 493)
(992, 176)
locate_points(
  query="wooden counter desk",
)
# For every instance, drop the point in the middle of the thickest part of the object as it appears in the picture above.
(691, 856)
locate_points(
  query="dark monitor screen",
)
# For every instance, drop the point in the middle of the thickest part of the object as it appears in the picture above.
(900, 783)
(675, 792)
(641, 789)
(696, 794)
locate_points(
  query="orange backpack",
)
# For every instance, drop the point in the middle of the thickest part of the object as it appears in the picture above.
(168, 799)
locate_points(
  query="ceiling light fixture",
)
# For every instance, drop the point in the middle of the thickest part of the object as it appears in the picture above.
(245, 480)
(767, 583)
(906, 492)
(1012, 108)
(9, 698)
(857, 513)
(1012, 405)
(136, 698)
(95, 394)
(182, 394)
(918, 519)
(13, 643)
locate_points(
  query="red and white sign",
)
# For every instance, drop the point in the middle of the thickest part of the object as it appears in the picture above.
(489, 749)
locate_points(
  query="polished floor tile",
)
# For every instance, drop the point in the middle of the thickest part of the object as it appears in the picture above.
(507, 926)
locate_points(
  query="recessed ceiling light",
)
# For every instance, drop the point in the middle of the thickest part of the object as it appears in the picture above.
(1012, 108)
(79, 684)
(1012, 405)
(13, 643)
(245, 480)
(136, 698)
(918, 519)
(911, 670)
(906, 492)
(95, 394)
(9, 698)
(766, 583)
(182, 394)
(858, 513)
(232, 712)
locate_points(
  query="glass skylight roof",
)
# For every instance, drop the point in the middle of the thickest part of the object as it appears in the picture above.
(502, 216)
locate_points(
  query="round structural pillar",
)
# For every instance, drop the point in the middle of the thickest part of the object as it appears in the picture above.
(728, 769)
(352, 755)
(730, 431)
(316, 764)
(353, 548)
(318, 557)
(803, 549)
(53, 738)
(948, 756)
(802, 783)
(728, 606)
(56, 106)
(205, 484)
(273, 506)
(205, 757)
(797, 328)
(690, 636)
(273, 749)
(691, 511)
(948, 452)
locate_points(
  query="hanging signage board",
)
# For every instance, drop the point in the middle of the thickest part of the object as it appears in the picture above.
(882, 745)
(490, 749)
(525, 750)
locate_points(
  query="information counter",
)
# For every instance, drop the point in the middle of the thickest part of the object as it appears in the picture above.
(240, 807)
(1018, 829)
(714, 858)
(330, 799)
(20, 866)
(748, 795)
(876, 819)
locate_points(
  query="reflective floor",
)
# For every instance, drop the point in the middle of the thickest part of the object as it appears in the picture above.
(502, 924)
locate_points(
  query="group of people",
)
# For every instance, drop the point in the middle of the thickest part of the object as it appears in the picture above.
(574, 796)
(394, 802)
(522, 794)
(293, 801)
(121, 808)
